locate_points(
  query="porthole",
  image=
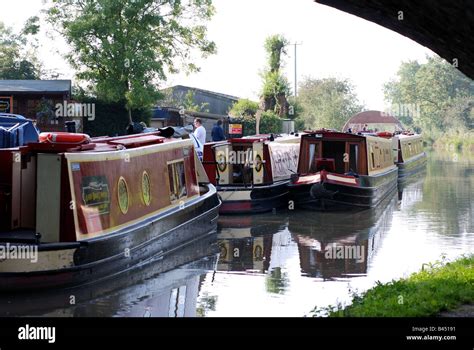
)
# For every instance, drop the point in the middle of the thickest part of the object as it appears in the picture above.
(123, 195)
(146, 188)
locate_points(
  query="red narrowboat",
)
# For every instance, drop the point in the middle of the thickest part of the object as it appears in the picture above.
(77, 210)
(337, 169)
(252, 173)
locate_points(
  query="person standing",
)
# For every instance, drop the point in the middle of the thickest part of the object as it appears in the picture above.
(217, 133)
(200, 131)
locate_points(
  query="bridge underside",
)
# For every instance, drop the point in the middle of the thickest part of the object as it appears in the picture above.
(444, 26)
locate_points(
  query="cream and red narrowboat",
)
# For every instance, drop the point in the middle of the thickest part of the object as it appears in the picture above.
(252, 173)
(410, 156)
(337, 169)
(77, 210)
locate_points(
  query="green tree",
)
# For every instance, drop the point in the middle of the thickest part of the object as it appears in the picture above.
(327, 103)
(244, 107)
(276, 87)
(16, 62)
(127, 47)
(433, 95)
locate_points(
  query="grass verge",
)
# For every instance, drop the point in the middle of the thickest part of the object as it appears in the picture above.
(438, 287)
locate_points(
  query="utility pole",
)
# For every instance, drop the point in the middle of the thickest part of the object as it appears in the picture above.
(296, 77)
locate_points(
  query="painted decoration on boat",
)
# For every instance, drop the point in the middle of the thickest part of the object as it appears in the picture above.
(95, 194)
(284, 159)
(258, 163)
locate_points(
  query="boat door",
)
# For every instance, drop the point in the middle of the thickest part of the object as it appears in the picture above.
(311, 151)
(258, 163)
(223, 166)
(351, 157)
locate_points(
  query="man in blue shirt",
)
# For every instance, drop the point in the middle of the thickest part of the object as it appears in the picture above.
(217, 132)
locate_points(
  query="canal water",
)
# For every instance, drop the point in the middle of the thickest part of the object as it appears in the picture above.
(289, 262)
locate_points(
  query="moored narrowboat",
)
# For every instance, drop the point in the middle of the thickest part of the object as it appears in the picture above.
(77, 210)
(337, 169)
(252, 173)
(410, 156)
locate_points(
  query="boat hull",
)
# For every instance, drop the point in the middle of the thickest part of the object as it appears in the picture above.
(370, 191)
(412, 167)
(97, 259)
(259, 199)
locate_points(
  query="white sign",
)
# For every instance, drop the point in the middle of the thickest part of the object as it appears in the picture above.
(284, 158)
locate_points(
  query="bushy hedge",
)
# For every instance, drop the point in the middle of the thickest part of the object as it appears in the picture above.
(111, 119)
(269, 123)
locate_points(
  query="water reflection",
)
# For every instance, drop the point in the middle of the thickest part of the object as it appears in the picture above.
(328, 245)
(315, 259)
(447, 192)
(167, 287)
(333, 245)
(245, 243)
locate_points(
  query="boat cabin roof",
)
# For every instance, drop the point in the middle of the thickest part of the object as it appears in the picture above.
(265, 137)
(409, 136)
(103, 144)
(332, 134)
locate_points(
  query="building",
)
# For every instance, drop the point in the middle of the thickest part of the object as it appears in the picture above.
(172, 111)
(23, 96)
(209, 101)
(373, 121)
(37, 100)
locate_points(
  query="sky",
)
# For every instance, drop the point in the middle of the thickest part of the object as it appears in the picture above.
(333, 44)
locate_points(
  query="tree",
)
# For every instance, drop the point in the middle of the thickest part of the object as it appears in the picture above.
(433, 95)
(275, 85)
(244, 107)
(127, 47)
(16, 61)
(327, 103)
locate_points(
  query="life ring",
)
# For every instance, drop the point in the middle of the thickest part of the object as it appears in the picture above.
(63, 137)
(384, 134)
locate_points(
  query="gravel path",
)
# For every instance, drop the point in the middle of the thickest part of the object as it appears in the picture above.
(462, 311)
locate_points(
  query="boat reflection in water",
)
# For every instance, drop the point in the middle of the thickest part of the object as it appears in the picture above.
(246, 242)
(167, 287)
(328, 244)
(340, 245)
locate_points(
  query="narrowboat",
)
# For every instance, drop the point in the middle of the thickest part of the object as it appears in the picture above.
(76, 210)
(337, 170)
(410, 156)
(252, 173)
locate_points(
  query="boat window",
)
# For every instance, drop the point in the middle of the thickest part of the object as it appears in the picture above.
(372, 156)
(313, 157)
(123, 195)
(146, 188)
(354, 158)
(334, 151)
(177, 180)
